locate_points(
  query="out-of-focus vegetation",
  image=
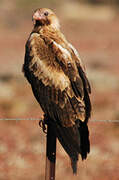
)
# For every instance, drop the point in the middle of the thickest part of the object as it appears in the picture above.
(28, 4)
(98, 2)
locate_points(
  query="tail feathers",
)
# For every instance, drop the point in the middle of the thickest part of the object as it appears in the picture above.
(74, 165)
(70, 140)
(71, 144)
(74, 140)
(85, 143)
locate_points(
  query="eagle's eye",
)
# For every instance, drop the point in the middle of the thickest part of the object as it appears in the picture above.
(46, 13)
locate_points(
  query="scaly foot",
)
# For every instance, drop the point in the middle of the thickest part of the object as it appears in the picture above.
(42, 123)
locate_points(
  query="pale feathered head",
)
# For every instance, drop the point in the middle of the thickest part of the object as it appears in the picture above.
(44, 16)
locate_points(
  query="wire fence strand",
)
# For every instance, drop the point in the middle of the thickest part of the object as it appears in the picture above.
(31, 119)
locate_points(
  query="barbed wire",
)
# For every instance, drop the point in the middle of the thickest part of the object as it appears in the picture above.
(32, 119)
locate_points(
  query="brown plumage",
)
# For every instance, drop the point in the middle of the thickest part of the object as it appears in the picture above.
(59, 83)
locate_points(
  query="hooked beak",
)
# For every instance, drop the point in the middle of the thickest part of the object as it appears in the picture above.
(36, 16)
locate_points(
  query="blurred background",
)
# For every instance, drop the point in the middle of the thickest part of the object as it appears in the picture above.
(92, 26)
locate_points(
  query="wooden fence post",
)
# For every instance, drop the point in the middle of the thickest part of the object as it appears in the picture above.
(50, 154)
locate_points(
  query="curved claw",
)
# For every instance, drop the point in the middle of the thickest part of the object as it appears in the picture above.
(42, 124)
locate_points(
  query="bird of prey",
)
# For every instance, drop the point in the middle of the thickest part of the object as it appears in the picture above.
(56, 74)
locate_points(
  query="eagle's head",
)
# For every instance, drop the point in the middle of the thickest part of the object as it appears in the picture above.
(44, 16)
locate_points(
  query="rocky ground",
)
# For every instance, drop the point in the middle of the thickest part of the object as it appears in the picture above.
(22, 143)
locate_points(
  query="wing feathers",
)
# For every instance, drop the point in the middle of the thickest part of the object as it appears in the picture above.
(59, 83)
(64, 59)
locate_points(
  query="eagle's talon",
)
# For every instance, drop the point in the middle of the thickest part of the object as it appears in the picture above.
(42, 124)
